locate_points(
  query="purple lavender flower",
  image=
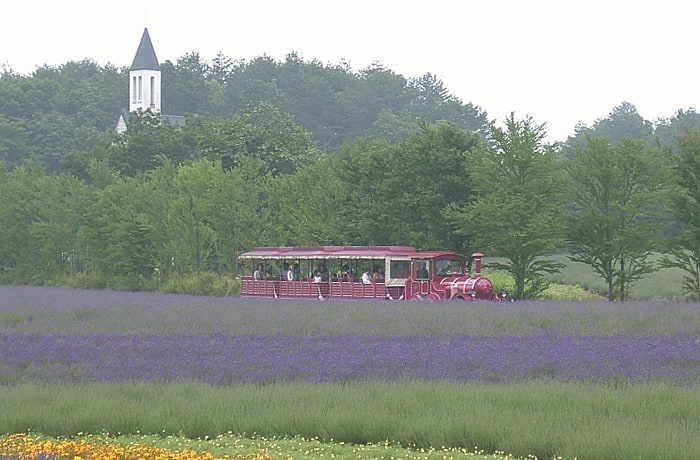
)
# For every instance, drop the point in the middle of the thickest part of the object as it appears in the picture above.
(226, 359)
(74, 336)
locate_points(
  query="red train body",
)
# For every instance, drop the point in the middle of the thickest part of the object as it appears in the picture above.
(365, 272)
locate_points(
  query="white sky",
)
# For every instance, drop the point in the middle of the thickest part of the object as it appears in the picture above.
(558, 61)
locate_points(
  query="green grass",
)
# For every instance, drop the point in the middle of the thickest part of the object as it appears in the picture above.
(666, 283)
(578, 281)
(542, 419)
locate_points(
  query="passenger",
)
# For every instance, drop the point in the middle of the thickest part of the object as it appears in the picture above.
(259, 273)
(378, 275)
(317, 276)
(346, 273)
(325, 274)
(290, 273)
(422, 272)
(366, 277)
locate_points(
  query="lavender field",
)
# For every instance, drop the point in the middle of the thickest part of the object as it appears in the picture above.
(53, 335)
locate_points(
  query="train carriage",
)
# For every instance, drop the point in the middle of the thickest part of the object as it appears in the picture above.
(364, 272)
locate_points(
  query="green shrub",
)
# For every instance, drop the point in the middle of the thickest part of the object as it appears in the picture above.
(207, 283)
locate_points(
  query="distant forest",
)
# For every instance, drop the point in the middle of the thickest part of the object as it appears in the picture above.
(74, 106)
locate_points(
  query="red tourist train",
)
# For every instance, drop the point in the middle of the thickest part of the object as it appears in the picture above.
(365, 272)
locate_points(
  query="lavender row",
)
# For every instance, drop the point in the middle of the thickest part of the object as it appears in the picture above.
(230, 359)
(46, 310)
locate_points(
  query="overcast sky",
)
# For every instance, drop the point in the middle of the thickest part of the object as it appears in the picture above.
(558, 61)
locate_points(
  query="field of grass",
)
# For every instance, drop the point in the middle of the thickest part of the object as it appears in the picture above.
(666, 283)
(311, 379)
(577, 281)
(542, 419)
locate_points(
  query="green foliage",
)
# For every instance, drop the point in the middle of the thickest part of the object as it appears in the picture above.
(361, 169)
(623, 122)
(305, 206)
(567, 292)
(515, 209)
(126, 230)
(261, 132)
(438, 158)
(666, 283)
(385, 205)
(670, 130)
(552, 291)
(684, 249)
(616, 201)
(73, 107)
(59, 109)
(42, 220)
(206, 283)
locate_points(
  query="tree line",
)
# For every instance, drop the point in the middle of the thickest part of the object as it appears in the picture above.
(68, 108)
(130, 216)
(71, 107)
(294, 152)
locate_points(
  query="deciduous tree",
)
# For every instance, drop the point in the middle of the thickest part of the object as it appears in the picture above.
(616, 198)
(684, 250)
(515, 210)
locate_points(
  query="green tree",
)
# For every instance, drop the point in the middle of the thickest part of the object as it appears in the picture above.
(274, 137)
(221, 68)
(515, 210)
(127, 231)
(185, 89)
(362, 168)
(262, 132)
(138, 149)
(18, 251)
(395, 193)
(303, 207)
(240, 211)
(60, 109)
(41, 224)
(428, 171)
(616, 198)
(376, 92)
(685, 207)
(431, 95)
(191, 238)
(624, 122)
(253, 83)
(670, 130)
(13, 140)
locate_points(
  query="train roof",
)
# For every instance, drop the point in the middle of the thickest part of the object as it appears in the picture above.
(341, 252)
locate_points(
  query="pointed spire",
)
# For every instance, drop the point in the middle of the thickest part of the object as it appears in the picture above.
(145, 58)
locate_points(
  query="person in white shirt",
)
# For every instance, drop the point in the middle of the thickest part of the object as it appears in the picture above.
(259, 273)
(366, 277)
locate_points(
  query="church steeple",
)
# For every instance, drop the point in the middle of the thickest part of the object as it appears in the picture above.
(144, 77)
(145, 58)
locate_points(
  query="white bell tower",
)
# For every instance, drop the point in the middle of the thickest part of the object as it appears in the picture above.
(144, 78)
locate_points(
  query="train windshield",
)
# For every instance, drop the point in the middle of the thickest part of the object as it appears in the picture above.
(447, 267)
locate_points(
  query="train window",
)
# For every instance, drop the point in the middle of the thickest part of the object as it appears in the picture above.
(444, 267)
(399, 268)
(422, 270)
